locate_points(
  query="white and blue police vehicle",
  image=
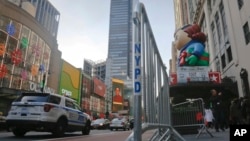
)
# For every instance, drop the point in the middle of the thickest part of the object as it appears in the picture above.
(46, 112)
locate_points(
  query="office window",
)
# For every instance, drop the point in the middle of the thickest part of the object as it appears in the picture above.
(223, 61)
(217, 21)
(229, 54)
(223, 17)
(240, 3)
(246, 32)
(217, 64)
(209, 6)
(214, 35)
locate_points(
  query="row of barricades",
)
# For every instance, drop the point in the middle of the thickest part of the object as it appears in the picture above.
(188, 117)
(151, 84)
(151, 90)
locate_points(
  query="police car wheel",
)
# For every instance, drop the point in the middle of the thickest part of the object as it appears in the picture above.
(18, 132)
(86, 129)
(60, 128)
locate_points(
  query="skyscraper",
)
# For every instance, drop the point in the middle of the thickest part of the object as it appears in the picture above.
(119, 60)
(120, 39)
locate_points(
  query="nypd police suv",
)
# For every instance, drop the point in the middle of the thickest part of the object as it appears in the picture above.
(45, 112)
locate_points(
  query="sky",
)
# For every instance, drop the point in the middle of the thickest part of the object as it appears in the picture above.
(84, 27)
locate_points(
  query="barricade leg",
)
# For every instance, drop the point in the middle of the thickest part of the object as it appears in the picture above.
(202, 130)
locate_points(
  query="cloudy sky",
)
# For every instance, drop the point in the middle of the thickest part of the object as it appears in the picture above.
(84, 25)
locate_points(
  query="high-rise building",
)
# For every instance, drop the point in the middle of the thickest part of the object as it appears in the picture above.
(120, 39)
(119, 60)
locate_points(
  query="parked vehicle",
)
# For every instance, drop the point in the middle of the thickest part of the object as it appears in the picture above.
(45, 112)
(119, 123)
(131, 123)
(100, 124)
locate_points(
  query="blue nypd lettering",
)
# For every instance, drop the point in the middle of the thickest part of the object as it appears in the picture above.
(137, 71)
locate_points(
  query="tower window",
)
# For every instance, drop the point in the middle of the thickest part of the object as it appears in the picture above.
(246, 32)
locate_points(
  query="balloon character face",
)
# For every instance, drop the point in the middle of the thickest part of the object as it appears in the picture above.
(181, 38)
(189, 40)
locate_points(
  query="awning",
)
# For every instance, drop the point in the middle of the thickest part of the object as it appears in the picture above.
(202, 90)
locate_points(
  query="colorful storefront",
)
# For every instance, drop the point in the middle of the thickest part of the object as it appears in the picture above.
(24, 61)
(70, 82)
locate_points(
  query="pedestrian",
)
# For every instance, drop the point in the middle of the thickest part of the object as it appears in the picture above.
(235, 112)
(245, 108)
(209, 117)
(216, 104)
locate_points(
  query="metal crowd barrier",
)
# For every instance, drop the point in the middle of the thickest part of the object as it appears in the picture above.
(188, 117)
(151, 84)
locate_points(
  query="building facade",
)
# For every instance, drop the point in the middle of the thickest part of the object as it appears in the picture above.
(226, 24)
(100, 70)
(86, 92)
(94, 94)
(43, 11)
(26, 48)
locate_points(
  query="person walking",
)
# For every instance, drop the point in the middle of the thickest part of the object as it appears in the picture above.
(235, 112)
(216, 104)
(209, 117)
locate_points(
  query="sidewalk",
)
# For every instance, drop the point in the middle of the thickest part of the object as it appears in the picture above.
(218, 136)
